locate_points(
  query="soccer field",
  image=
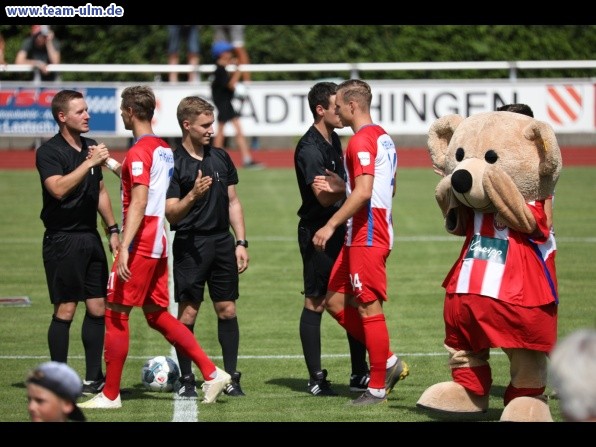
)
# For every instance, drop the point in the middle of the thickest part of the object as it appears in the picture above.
(274, 375)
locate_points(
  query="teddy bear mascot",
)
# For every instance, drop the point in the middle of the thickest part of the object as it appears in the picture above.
(497, 167)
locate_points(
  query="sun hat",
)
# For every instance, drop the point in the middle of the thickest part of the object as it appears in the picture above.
(63, 381)
(221, 46)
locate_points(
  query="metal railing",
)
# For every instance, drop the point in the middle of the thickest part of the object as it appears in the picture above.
(353, 68)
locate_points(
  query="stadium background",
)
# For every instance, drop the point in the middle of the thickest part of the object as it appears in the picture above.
(276, 383)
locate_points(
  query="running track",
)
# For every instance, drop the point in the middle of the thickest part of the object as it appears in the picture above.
(409, 157)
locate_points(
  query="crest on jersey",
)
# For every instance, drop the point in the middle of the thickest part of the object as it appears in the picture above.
(364, 158)
(499, 226)
(137, 168)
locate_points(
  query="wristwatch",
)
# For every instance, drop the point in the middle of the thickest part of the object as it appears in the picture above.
(242, 242)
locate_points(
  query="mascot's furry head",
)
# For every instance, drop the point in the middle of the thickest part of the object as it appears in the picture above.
(468, 151)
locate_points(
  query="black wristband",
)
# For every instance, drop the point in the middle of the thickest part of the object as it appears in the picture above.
(113, 229)
(242, 242)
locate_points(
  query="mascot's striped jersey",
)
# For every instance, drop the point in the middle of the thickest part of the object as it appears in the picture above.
(499, 262)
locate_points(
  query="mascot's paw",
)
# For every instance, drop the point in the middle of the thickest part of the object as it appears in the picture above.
(527, 409)
(451, 397)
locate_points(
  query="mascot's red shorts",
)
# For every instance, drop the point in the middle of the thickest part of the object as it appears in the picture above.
(475, 322)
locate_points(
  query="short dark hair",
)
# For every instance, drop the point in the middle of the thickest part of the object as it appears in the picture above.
(61, 100)
(319, 94)
(524, 109)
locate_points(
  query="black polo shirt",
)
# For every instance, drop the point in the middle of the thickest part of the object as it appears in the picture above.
(209, 214)
(77, 211)
(312, 156)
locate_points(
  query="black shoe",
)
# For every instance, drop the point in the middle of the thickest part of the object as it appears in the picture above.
(318, 385)
(93, 386)
(233, 388)
(359, 382)
(186, 387)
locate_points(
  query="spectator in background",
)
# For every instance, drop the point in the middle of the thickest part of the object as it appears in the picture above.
(234, 34)
(2, 59)
(223, 86)
(572, 371)
(52, 392)
(191, 34)
(524, 109)
(39, 50)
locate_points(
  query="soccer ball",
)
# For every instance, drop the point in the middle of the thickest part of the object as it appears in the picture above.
(160, 373)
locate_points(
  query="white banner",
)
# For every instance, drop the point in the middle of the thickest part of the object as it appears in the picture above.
(281, 108)
(401, 107)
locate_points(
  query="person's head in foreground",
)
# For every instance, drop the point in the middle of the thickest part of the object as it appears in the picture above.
(52, 392)
(572, 373)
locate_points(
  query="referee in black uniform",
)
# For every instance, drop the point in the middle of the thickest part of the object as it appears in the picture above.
(75, 263)
(319, 150)
(201, 205)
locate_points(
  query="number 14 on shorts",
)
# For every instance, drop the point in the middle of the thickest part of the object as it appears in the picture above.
(355, 281)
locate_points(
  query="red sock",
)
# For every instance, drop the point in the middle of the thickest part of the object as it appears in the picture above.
(476, 380)
(181, 338)
(354, 323)
(377, 345)
(115, 351)
(349, 318)
(512, 392)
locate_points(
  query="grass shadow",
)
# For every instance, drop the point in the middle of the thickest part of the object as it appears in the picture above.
(299, 385)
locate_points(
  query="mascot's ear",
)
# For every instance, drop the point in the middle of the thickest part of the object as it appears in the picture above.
(439, 136)
(543, 136)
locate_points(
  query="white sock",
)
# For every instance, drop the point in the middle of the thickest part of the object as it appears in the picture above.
(391, 361)
(377, 392)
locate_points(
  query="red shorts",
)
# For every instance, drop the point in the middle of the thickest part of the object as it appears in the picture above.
(475, 322)
(360, 272)
(148, 283)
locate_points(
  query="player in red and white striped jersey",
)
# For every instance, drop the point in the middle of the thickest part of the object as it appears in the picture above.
(358, 282)
(139, 276)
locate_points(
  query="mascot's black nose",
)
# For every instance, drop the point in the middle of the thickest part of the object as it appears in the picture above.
(461, 181)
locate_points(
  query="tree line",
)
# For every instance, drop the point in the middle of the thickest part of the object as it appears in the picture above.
(277, 44)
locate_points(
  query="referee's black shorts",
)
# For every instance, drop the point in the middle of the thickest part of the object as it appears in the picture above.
(200, 260)
(316, 265)
(76, 266)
